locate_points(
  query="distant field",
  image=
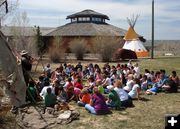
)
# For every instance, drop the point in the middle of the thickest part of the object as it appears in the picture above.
(147, 113)
(162, 47)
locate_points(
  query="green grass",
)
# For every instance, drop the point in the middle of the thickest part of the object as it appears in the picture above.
(147, 114)
(169, 64)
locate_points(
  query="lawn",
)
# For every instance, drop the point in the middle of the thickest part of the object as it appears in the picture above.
(147, 114)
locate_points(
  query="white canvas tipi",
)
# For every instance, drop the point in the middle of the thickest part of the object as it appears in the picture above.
(11, 79)
(132, 41)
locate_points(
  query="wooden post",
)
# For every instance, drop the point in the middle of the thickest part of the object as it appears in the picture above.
(0, 23)
(152, 47)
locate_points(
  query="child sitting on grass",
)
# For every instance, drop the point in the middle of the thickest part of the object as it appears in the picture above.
(100, 87)
(171, 86)
(85, 99)
(144, 83)
(31, 92)
(129, 83)
(134, 93)
(97, 103)
(157, 86)
(113, 98)
(123, 95)
(175, 78)
(62, 95)
(70, 90)
(91, 84)
(77, 88)
(49, 99)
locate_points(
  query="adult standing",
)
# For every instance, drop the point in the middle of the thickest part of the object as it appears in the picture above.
(26, 61)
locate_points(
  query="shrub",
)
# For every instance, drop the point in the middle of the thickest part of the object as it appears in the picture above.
(56, 51)
(54, 56)
(105, 47)
(79, 48)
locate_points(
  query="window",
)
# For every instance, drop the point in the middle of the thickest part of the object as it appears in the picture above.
(80, 18)
(74, 19)
(84, 18)
(87, 18)
(96, 19)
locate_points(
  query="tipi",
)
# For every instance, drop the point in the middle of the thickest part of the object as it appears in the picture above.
(11, 79)
(132, 41)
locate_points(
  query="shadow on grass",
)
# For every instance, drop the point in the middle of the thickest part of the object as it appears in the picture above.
(142, 99)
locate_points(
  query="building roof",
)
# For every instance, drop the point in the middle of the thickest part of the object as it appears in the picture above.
(27, 31)
(88, 12)
(87, 29)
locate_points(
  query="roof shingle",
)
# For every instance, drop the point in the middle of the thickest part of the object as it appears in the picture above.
(87, 29)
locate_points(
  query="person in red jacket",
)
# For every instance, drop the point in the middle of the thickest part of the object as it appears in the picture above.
(78, 87)
(70, 89)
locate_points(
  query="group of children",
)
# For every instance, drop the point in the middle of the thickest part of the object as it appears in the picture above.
(99, 89)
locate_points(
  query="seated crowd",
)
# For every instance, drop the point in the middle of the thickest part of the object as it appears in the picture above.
(99, 89)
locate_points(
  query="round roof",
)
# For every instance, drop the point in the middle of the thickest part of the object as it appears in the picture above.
(87, 29)
(87, 13)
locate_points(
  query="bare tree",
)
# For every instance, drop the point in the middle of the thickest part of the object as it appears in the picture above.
(23, 36)
(7, 7)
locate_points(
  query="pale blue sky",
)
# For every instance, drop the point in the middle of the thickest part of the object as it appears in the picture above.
(52, 13)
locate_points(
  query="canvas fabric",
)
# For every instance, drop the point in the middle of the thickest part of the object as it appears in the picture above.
(12, 79)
